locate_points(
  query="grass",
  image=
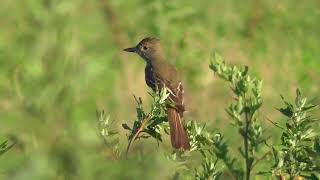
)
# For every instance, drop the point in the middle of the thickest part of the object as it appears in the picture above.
(63, 60)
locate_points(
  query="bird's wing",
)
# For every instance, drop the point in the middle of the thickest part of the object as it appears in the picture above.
(179, 99)
(176, 91)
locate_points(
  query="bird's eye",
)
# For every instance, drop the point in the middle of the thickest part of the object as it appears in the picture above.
(145, 48)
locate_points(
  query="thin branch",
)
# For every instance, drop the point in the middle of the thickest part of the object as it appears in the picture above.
(136, 135)
(274, 123)
(261, 158)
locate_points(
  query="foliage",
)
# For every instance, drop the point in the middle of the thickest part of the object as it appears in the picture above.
(110, 137)
(209, 170)
(4, 147)
(214, 149)
(298, 153)
(244, 110)
(62, 60)
(149, 124)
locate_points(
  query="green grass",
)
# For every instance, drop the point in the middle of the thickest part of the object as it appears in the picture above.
(63, 60)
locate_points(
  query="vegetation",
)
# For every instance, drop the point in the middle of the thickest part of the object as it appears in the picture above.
(63, 60)
(296, 156)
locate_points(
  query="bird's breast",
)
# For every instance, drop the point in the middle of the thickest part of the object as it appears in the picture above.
(150, 77)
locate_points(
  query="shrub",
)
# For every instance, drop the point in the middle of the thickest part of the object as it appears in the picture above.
(297, 156)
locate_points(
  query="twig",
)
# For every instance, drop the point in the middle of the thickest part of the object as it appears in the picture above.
(246, 143)
(274, 123)
(248, 169)
(261, 158)
(141, 128)
(231, 175)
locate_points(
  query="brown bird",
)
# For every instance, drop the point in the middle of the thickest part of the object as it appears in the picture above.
(159, 73)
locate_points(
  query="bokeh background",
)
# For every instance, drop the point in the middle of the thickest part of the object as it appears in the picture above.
(63, 60)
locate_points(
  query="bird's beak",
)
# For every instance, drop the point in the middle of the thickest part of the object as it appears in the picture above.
(132, 49)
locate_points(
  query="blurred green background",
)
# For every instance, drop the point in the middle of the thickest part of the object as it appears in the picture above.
(63, 60)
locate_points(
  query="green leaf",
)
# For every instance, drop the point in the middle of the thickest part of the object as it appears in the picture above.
(316, 145)
(298, 98)
(286, 111)
(4, 147)
(125, 126)
(309, 108)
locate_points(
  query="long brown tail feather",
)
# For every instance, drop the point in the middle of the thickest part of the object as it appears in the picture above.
(179, 137)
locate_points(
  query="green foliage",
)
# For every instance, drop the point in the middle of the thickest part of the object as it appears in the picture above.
(209, 170)
(202, 140)
(149, 124)
(62, 60)
(297, 156)
(298, 153)
(4, 147)
(213, 149)
(243, 110)
(110, 137)
(221, 150)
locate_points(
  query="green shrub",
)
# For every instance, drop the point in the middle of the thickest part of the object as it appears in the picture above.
(296, 156)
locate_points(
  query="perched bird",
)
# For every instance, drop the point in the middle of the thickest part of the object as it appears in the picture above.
(159, 73)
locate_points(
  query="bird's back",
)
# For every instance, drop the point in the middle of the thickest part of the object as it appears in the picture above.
(167, 73)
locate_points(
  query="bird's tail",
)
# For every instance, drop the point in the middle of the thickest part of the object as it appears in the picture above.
(179, 137)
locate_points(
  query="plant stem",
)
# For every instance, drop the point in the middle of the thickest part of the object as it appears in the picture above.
(261, 158)
(246, 143)
(246, 150)
(141, 128)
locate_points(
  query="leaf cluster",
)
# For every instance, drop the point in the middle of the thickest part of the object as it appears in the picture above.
(298, 155)
(149, 124)
(299, 151)
(243, 110)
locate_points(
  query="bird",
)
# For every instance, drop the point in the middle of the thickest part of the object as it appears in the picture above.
(158, 74)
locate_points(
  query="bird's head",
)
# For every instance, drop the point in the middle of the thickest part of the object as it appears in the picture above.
(148, 48)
